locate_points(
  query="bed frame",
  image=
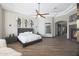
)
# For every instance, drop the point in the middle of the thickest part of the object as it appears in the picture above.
(21, 30)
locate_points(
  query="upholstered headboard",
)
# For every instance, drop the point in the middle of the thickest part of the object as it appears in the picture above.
(21, 30)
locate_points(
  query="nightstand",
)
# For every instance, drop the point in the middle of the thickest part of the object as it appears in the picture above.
(11, 39)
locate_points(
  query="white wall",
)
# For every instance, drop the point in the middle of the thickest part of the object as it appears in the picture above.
(11, 18)
(41, 26)
(0, 21)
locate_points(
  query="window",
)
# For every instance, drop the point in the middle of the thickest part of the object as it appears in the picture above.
(48, 27)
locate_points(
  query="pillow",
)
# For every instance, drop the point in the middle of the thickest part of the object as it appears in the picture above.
(27, 32)
(21, 34)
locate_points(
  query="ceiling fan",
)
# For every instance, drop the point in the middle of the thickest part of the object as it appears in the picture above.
(40, 14)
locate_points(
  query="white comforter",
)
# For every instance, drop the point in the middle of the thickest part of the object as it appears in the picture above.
(28, 37)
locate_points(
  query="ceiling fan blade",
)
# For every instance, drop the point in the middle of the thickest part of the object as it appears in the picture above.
(42, 16)
(45, 14)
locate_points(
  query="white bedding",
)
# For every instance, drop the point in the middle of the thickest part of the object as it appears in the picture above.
(28, 37)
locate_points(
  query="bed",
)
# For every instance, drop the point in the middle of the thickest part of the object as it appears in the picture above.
(27, 37)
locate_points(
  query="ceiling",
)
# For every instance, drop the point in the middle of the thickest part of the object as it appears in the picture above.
(29, 8)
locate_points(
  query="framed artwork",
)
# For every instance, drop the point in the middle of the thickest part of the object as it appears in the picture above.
(31, 23)
(19, 22)
(25, 22)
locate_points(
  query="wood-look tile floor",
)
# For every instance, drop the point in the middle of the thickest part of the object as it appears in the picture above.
(48, 47)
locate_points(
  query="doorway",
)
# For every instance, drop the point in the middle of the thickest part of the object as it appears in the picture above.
(61, 28)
